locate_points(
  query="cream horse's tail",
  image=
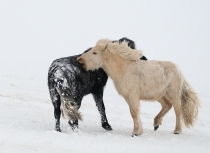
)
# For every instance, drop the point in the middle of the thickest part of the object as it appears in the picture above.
(189, 104)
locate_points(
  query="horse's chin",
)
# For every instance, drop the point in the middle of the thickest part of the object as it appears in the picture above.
(89, 68)
(95, 67)
(86, 68)
(92, 69)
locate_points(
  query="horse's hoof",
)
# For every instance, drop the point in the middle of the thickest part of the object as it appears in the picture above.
(177, 131)
(75, 128)
(58, 130)
(135, 135)
(156, 127)
(107, 127)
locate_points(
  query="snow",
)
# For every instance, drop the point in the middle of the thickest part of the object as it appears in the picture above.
(34, 33)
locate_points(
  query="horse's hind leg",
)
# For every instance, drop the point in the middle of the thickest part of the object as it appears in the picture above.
(166, 106)
(98, 97)
(177, 108)
(55, 97)
(73, 122)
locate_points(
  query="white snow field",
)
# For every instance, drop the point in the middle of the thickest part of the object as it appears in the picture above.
(34, 33)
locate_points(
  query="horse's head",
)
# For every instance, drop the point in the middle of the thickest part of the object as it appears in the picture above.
(93, 59)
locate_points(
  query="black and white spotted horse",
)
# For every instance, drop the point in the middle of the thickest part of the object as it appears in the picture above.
(68, 83)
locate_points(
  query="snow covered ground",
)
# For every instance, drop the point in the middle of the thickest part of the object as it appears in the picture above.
(34, 33)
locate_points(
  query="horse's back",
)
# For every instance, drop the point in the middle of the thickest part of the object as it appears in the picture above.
(154, 68)
(154, 78)
(78, 79)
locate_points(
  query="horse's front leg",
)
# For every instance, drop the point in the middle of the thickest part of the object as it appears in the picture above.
(98, 97)
(134, 110)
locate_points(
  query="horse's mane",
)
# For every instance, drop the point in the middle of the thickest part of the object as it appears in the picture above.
(124, 51)
(120, 49)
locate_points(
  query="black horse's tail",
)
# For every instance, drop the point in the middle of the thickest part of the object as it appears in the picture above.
(69, 108)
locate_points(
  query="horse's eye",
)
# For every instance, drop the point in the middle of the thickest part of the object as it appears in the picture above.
(94, 52)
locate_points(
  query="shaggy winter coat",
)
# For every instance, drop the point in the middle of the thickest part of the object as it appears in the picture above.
(137, 80)
(68, 83)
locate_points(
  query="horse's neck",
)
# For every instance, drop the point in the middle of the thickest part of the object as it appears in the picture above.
(114, 66)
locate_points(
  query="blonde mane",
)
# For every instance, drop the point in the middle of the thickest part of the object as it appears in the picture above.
(120, 49)
(124, 51)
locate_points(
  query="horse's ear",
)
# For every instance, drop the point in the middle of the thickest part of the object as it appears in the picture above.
(106, 46)
(103, 43)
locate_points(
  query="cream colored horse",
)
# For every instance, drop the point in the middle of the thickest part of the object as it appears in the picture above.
(137, 80)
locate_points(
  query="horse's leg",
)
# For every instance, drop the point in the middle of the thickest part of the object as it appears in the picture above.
(134, 110)
(55, 97)
(74, 124)
(166, 106)
(74, 121)
(98, 97)
(70, 103)
(177, 108)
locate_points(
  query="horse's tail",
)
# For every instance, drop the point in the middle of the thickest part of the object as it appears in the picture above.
(189, 104)
(70, 110)
(69, 107)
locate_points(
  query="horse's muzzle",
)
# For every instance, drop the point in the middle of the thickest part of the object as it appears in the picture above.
(81, 61)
